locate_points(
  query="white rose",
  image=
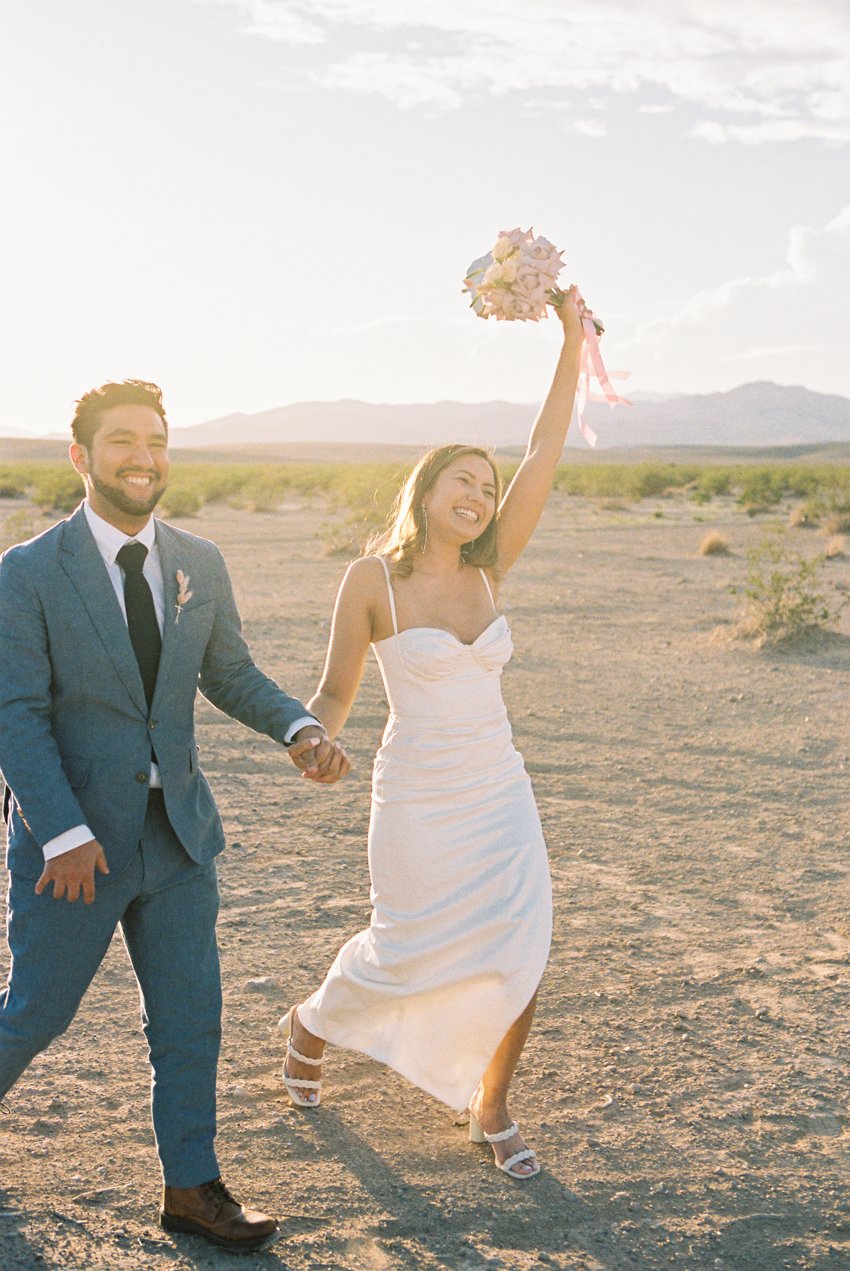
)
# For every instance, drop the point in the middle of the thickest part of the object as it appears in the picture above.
(509, 241)
(502, 248)
(501, 273)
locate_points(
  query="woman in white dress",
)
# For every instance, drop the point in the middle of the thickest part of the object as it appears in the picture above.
(442, 984)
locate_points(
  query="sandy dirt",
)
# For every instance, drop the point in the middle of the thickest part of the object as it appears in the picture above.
(687, 1082)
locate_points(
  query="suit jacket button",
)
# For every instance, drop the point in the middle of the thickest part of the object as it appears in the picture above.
(151, 724)
(141, 776)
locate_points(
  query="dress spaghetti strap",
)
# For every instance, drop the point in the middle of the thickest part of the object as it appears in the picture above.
(390, 593)
(489, 589)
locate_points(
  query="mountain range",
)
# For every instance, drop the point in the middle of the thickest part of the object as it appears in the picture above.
(753, 415)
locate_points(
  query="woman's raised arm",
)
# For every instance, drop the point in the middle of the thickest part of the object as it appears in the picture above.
(527, 494)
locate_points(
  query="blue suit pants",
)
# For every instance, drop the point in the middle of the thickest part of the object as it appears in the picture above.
(166, 906)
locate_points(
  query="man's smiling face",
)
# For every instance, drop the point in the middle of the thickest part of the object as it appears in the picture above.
(126, 466)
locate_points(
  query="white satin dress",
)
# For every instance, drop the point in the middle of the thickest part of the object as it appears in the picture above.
(462, 903)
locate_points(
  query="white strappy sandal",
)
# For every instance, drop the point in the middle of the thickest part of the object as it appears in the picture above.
(294, 1085)
(477, 1135)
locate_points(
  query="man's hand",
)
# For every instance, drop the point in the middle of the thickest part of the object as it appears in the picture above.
(332, 763)
(72, 871)
(318, 758)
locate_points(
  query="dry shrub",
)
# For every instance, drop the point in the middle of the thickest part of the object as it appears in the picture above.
(835, 523)
(834, 549)
(799, 519)
(714, 544)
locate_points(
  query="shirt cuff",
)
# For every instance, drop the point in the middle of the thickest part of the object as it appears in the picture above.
(301, 723)
(67, 842)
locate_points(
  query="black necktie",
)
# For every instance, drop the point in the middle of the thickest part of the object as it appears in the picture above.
(141, 615)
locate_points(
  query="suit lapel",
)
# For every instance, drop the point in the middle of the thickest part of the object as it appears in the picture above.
(83, 564)
(170, 563)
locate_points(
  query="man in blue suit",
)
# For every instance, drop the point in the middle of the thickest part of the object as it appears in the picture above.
(109, 623)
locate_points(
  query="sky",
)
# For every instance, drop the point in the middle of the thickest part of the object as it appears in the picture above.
(256, 202)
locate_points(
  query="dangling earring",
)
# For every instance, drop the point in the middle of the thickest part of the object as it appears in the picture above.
(425, 518)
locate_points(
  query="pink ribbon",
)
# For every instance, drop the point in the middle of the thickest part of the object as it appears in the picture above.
(591, 364)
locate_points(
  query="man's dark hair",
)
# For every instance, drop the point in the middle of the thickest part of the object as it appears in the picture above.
(86, 419)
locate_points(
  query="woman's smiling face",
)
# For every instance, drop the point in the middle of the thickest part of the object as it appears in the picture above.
(462, 501)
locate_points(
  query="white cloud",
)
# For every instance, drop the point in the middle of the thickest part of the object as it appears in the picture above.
(403, 81)
(791, 322)
(590, 127)
(771, 130)
(277, 21)
(767, 70)
(822, 253)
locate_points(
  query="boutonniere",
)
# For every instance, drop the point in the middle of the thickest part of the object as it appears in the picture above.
(184, 595)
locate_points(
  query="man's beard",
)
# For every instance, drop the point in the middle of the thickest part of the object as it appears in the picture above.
(123, 502)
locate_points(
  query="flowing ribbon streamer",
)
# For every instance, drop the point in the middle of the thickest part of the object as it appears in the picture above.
(591, 364)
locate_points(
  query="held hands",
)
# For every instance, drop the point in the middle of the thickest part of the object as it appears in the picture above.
(72, 871)
(318, 758)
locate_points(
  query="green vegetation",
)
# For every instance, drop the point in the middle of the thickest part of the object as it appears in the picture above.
(18, 526)
(782, 595)
(830, 510)
(631, 482)
(259, 487)
(753, 486)
(363, 492)
(49, 485)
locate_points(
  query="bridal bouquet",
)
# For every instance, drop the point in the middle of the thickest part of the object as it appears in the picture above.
(518, 279)
(515, 281)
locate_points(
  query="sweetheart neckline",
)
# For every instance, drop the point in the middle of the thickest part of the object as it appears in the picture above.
(443, 630)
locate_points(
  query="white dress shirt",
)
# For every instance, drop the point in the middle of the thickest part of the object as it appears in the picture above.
(109, 542)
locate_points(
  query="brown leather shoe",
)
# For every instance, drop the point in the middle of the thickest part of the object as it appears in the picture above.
(210, 1211)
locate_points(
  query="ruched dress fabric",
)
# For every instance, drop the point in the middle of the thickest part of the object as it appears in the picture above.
(462, 904)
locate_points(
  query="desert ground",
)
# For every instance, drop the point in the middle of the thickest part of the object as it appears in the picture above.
(687, 1081)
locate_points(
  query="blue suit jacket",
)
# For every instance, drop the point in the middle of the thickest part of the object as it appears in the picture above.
(75, 731)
